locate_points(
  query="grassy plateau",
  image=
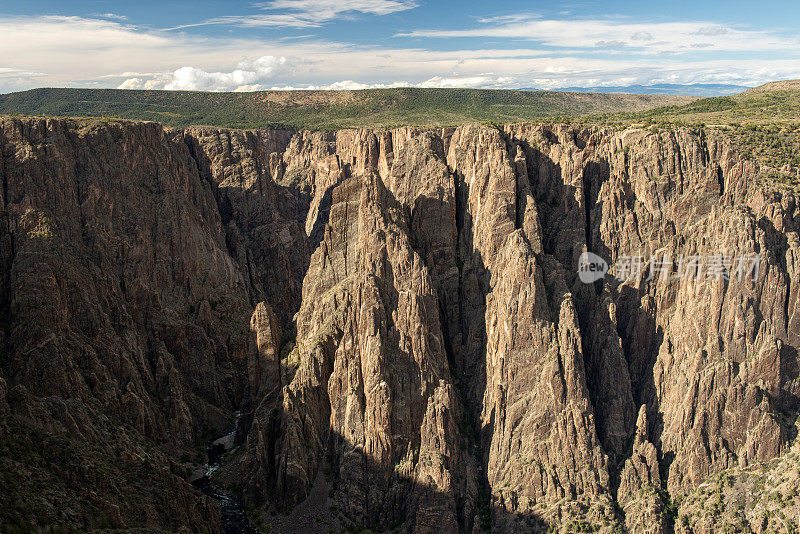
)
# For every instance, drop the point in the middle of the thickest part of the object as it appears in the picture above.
(764, 122)
(326, 110)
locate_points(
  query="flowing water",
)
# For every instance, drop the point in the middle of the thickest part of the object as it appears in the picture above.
(232, 513)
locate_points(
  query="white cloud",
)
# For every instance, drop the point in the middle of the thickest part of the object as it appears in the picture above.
(645, 37)
(135, 83)
(306, 13)
(328, 9)
(712, 31)
(247, 76)
(112, 16)
(344, 85)
(484, 81)
(104, 53)
(5, 72)
(255, 21)
(508, 19)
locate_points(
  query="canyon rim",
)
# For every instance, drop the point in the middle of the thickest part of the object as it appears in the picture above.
(397, 318)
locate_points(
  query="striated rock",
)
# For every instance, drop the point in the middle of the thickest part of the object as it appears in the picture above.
(264, 372)
(264, 218)
(608, 376)
(373, 379)
(640, 490)
(263, 363)
(113, 243)
(536, 410)
(400, 311)
(760, 498)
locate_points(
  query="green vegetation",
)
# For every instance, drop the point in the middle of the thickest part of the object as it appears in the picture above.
(775, 145)
(42, 230)
(763, 123)
(375, 108)
(776, 103)
(737, 499)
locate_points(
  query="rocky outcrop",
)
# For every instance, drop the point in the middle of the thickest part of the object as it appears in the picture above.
(118, 300)
(401, 311)
(640, 492)
(374, 385)
(758, 498)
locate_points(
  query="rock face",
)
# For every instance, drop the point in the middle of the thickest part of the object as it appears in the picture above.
(399, 309)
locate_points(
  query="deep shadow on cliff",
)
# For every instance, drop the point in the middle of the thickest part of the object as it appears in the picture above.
(397, 311)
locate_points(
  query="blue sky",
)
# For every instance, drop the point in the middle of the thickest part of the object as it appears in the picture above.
(207, 45)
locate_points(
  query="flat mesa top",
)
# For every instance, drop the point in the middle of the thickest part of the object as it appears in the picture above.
(371, 108)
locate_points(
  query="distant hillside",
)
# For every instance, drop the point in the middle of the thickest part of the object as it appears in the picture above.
(326, 109)
(780, 85)
(763, 121)
(774, 102)
(695, 89)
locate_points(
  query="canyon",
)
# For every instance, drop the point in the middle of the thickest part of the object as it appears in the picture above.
(396, 315)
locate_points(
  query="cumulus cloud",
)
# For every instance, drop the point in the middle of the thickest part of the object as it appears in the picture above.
(483, 81)
(107, 53)
(465, 82)
(343, 85)
(248, 75)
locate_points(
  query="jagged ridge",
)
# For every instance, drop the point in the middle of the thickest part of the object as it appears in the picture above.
(418, 324)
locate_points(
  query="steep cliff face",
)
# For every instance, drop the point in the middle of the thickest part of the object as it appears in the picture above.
(399, 309)
(122, 310)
